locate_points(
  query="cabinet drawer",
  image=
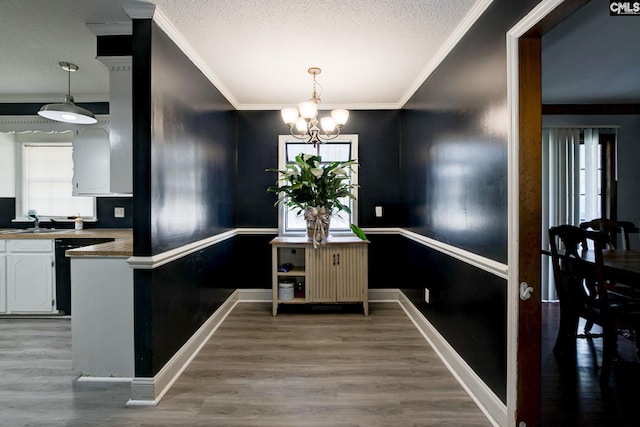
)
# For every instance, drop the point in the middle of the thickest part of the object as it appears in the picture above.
(3, 245)
(30, 245)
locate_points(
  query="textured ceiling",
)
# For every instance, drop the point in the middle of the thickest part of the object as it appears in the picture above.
(373, 54)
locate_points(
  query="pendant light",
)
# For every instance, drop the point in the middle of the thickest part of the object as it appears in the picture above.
(67, 111)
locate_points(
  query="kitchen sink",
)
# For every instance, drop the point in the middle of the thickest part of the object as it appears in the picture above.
(30, 231)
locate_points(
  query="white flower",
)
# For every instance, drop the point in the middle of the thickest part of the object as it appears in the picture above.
(317, 172)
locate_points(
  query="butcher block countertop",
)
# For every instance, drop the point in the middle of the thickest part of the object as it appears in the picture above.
(117, 248)
(121, 247)
(89, 233)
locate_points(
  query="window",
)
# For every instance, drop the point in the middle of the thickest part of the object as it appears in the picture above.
(579, 182)
(590, 184)
(45, 185)
(343, 148)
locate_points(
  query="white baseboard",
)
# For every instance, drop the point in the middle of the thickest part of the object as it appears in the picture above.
(485, 398)
(254, 295)
(90, 379)
(149, 391)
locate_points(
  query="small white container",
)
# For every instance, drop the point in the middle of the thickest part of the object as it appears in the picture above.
(285, 291)
(78, 222)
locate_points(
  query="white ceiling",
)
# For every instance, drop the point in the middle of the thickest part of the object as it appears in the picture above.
(373, 53)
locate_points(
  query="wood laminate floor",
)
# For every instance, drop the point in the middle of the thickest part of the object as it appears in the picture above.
(318, 369)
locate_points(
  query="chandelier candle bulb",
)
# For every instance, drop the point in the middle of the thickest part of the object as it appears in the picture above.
(301, 125)
(340, 116)
(308, 110)
(328, 125)
(289, 115)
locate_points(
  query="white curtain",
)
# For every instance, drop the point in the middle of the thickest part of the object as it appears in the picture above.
(562, 182)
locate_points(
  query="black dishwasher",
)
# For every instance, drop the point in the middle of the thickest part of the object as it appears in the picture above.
(63, 270)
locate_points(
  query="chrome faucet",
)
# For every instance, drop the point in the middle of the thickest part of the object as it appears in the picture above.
(36, 222)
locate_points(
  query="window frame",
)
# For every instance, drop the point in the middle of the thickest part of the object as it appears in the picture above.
(53, 139)
(351, 139)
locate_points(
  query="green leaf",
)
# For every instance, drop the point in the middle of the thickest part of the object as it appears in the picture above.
(358, 231)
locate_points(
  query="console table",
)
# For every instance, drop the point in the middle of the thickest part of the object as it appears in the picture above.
(336, 272)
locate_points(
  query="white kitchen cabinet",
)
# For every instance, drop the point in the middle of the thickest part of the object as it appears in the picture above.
(91, 161)
(3, 277)
(30, 276)
(120, 122)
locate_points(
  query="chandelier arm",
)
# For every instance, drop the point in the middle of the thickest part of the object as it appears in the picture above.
(328, 138)
(312, 132)
(306, 138)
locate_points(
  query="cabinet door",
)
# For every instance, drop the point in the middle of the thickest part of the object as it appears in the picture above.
(30, 283)
(91, 154)
(3, 283)
(321, 274)
(351, 273)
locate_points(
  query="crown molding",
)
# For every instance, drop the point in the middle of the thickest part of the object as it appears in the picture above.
(474, 13)
(324, 107)
(37, 123)
(110, 28)
(117, 63)
(139, 10)
(167, 26)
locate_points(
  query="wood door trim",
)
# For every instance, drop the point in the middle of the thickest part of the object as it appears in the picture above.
(529, 231)
(525, 108)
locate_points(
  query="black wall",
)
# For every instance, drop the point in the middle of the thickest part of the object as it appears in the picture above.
(184, 182)
(379, 158)
(193, 151)
(454, 182)
(104, 213)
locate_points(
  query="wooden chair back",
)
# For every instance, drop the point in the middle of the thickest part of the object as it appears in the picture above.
(610, 228)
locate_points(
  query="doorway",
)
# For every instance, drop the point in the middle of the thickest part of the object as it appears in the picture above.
(524, 58)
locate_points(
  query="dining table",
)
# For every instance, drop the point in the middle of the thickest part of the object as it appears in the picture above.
(620, 265)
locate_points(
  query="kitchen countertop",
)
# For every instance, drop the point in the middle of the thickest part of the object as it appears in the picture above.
(89, 233)
(117, 248)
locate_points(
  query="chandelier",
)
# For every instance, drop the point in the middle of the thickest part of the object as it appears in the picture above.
(304, 118)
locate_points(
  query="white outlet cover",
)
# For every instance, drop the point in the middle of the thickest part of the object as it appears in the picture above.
(118, 212)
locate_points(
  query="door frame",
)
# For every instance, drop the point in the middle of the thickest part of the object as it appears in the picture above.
(524, 102)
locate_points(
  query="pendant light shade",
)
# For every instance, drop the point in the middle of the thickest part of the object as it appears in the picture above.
(67, 111)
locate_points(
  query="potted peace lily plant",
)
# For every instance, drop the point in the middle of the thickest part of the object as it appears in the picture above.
(317, 190)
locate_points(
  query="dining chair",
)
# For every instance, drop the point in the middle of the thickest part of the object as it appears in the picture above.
(610, 227)
(581, 289)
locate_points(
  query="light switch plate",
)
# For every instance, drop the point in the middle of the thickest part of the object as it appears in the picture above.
(378, 211)
(118, 212)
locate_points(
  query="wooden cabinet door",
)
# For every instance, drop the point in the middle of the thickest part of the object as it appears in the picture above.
(337, 273)
(30, 283)
(351, 273)
(321, 276)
